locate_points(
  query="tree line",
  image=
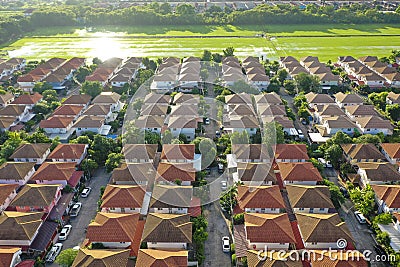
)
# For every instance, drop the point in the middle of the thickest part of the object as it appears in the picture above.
(184, 14)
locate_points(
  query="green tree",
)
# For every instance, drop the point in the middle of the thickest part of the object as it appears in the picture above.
(363, 199)
(50, 96)
(166, 137)
(282, 75)
(132, 134)
(378, 99)
(83, 139)
(13, 141)
(303, 112)
(216, 57)
(38, 137)
(81, 73)
(113, 161)
(290, 86)
(334, 154)
(241, 86)
(41, 108)
(393, 111)
(336, 196)
(229, 51)
(273, 134)
(152, 138)
(299, 100)
(368, 139)
(307, 83)
(40, 87)
(89, 166)
(383, 238)
(240, 138)
(102, 147)
(67, 257)
(274, 85)
(383, 218)
(91, 88)
(228, 199)
(207, 56)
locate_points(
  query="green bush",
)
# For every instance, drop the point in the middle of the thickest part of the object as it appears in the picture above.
(383, 218)
(234, 259)
(238, 219)
(233, 248)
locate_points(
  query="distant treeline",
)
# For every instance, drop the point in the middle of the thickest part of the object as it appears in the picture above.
(185, 14)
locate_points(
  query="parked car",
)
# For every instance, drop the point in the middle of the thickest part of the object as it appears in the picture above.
(225, 244)
(360, 217)
(324, 162)
(224, 185)
(301, 135)
(207, 121)
(53, 253)
(75, 209)
(86, 192)
(65, 232)
(344, 192)
(218, 134)
(220, 168)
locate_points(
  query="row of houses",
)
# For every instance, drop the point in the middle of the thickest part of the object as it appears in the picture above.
(56, 71)
(9, 66)
(285, 206)
(310, 65)
(79, 114)
(255, 73)
(368, 70)
(346, 113)
(32, 201)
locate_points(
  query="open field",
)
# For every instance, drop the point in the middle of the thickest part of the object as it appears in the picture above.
(325, 41)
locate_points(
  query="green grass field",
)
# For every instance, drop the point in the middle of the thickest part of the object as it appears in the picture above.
(324, 41)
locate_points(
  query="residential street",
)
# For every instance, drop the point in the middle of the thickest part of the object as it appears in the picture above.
(88, 211)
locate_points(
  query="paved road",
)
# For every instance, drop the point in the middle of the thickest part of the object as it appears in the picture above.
(88, 211)
(331, 175)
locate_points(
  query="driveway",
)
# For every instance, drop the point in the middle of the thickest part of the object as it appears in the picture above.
(88, 211)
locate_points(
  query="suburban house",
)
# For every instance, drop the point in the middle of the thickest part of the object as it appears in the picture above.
(31, 153)
(35, 197)
(239, 123)
(81, 100)
(268, 231)
(139, 153)
(19, 229)
(391, 151)
(326, 111)
(393, 98)
(268, 98)
(377, 173)
(134, 174)
(167, 231)
(259, 199)
(356, 111)
(91, 124)
(173, 199)
(7, 194)
(332, 125)
(58, 126)
(28, 100)
(164, 82)
(169, 173)
(185, 99)
(154, 110)
(101, 257)
(291, 153)
(387, 197)
(103, 111)
(362, 153)
(254, 174)
(69, 153)
(157, 99)
(6, 123)
(266, 110)
(345, 100)
(310, 199)
(152, 124)
(184, 110)
(158, 257)
(57, 173)
(322, 231)
(109, 98)
(250, 153)
(122, 198)
(16, 172)
(299, 173)
(287, 124)
(374, 125)
(6, 99)
(183, 125)
(19, 112)
(274, 258)
(181, 153)
(314, 99)
(10, 257)
(68, 111)
(116, 231)
(236, 99)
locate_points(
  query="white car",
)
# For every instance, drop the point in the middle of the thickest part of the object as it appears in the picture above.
(75, 209)
(53, 253)
(360, 217)
(225, 244)
(224, 185)
(207, 121)
(86, 191)
(65, 232)
(300, 132)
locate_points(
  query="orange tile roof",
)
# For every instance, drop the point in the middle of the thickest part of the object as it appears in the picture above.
(113, 227)
(392, 149)
(7, 255)
(299, 171)
(67, 110)
(259, 197)
(101, 257)
(54, 171)
(172, 172)
(6, 190)
(162, 258)
(27, 99)
(268, 228)
(178, 151)
(77, 100)
(304, 196)
(390, 194)
(123, 196)
(68, 151)
(291, 151)
(56, 122)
